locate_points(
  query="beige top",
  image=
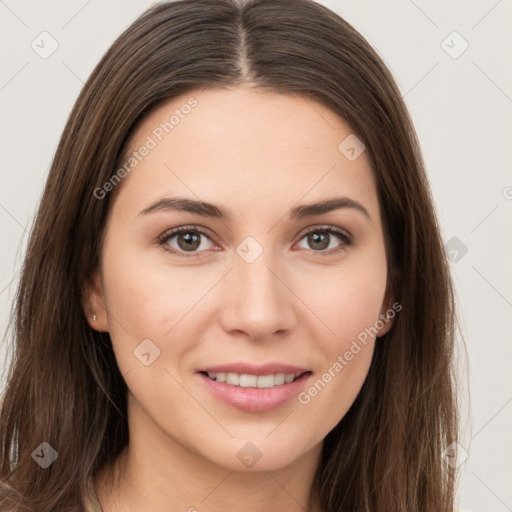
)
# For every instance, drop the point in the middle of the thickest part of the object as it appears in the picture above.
(91, 502)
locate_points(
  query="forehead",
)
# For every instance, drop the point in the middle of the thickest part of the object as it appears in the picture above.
(245, 147)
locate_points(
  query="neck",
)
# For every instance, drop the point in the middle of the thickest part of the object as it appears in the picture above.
(157, 473)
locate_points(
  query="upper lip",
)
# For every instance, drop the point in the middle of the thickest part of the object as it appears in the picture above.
(253, 369)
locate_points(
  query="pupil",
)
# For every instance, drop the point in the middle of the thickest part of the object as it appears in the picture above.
(189, 238)
(319, 239)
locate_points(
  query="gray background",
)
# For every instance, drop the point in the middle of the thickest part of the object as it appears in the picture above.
(461, 106)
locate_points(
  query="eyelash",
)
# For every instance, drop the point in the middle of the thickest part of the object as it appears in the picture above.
(168, 235)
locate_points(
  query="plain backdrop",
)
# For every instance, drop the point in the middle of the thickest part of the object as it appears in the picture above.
(451, 60)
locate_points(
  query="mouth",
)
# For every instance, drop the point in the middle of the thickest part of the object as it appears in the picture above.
(246, 380)
(254, 393)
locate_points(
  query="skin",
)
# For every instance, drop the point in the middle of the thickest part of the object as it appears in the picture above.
(258, 154)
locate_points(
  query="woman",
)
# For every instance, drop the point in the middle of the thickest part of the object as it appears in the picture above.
(235, 291)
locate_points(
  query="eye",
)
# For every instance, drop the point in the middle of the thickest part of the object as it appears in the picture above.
(188, 240)
(320, 238)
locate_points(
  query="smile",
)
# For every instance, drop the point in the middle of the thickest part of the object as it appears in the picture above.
(245, 380)
(254, 393)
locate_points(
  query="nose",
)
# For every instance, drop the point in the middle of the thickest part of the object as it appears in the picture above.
(258, 301)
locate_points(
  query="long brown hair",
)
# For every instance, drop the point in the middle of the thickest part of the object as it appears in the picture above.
(64, 386)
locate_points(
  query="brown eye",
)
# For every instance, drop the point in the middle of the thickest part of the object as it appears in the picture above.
(188, 240)
(319, 240)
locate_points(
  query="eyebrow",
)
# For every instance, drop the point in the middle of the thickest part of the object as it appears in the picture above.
(181, 204)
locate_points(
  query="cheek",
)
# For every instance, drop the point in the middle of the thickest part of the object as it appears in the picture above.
(347, 301)
(147, 298)
(142, 302)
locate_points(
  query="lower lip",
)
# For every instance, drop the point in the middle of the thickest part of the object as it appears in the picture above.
(255, 399)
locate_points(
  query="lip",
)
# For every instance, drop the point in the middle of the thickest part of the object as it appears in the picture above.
(255, 399)
(253, 369)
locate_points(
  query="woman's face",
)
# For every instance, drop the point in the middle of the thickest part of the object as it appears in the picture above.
(254, 286)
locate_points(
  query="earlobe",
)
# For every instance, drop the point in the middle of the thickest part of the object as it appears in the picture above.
(387, 315)
(94, 305)
(385, 321)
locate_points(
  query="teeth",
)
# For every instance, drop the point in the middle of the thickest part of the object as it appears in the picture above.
(280, 378)
(245, 380)
(233, 379)
(266, 381)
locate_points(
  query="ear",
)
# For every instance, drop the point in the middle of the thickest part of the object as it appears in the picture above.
(387, 314)
(94, 304)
